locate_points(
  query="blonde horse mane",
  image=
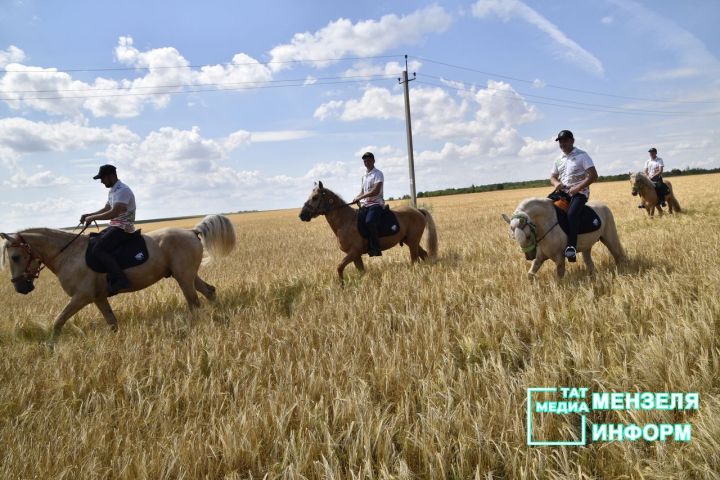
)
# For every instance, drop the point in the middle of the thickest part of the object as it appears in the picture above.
(642, 179)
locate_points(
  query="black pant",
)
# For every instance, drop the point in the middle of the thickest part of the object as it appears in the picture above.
(108, 240)
(371, 219)
(660, 187)
(577, 202)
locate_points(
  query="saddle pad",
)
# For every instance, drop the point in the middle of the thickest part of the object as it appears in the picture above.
(387, 225)
(132, 253)
(589, 220)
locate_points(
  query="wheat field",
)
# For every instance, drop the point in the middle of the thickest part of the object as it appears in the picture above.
(408, 372)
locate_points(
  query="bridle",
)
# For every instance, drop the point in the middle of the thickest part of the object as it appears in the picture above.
(30, 274)
(533, 231)
(325, 211)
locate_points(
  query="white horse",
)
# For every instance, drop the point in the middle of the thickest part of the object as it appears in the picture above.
(534, 226)
(175, 252)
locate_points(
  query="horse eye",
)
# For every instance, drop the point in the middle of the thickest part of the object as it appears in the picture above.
(15, 258)
(314, 197)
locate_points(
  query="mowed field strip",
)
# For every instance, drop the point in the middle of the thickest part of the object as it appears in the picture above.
(410, 371)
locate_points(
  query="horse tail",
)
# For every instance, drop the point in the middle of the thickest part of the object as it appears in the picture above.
(217, 234)
(432, 239)
(671, 199)
(611, 239)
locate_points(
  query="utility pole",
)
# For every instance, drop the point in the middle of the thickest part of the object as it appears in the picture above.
(408, 127)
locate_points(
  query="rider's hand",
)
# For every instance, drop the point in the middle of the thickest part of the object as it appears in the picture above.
(573, 191)
(83, 217)
(559, 187)
(88, 220)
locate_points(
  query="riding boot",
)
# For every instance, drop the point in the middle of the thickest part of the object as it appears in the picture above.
(373, 242)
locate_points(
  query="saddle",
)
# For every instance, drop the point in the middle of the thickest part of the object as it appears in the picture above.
(130, 254)
(589, 219)
(387, 224)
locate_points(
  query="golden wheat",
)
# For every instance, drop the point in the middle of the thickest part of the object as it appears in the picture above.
(408, 372)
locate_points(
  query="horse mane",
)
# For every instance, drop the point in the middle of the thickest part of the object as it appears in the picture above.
(338, 197)
(534, 205)
(640, 177)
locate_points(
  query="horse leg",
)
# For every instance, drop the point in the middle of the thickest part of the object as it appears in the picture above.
(560, 265)
(423, 253)
(350, 257)
(205, 288)
(187, 285)
(73, 306)
(414, 247)
(104, 306)
(537, 263)
(587, 258)
(359, 264)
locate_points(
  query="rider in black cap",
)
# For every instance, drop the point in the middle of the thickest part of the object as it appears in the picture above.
(120, 210)
(654, 167)
(573, 173)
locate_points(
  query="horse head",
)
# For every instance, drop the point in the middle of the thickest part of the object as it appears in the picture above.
(523, 230)
(320, 202)
(25, 266)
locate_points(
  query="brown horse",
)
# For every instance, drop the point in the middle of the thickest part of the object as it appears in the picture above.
(643, 186)
(172, 252)
(343, 221)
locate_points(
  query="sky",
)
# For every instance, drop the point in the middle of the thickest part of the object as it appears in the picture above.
(225, 106)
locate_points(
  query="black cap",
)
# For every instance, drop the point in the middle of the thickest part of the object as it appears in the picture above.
(105, 170)
(368, 155)
(653, 149)
(564, 134)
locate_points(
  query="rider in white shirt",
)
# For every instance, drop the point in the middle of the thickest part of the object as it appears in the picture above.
(654, 167)
(371, 202)
(120, 210)
(572, 174)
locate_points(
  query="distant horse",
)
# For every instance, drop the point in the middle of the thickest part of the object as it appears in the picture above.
(343, 221)
(172, 252)
(643, 186)
(534, 226)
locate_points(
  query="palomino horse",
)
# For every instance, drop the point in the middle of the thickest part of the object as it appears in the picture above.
(172, 252)
(343, 221)
(534, 225)
(643, 186)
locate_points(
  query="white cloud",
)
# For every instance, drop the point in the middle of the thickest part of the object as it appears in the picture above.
(438, 114)
(364, 38)
(23, 136)
(44, 178)
(693, 55)
(607, 20)
(567, 48)
(166, 72)
(537, 83)
(12, 54)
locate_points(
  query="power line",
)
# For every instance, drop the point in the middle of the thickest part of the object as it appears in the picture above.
(184, 85)
(572, 101)
(560, 87)
(514, 98)
(257, 87)
(229, 64)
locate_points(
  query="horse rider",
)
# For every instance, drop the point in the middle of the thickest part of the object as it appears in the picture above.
(654, 167)
(120, 210)
(371, 202)
(572, 173)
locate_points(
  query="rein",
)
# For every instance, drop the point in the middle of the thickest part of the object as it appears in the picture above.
(33, 274)
(327, 210)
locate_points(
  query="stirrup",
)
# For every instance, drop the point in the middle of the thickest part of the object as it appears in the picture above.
(571, 254)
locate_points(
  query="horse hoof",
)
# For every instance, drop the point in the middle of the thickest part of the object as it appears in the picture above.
(114, 328)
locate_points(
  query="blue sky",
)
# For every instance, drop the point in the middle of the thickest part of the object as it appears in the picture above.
(225, 106)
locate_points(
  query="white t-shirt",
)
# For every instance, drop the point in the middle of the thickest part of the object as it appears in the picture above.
(372, 178)
(572, 169)
(121, 193)
(653, 166)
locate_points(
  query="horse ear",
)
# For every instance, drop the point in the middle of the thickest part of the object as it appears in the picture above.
(320, 185)
(5, 236)
(506, 218)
